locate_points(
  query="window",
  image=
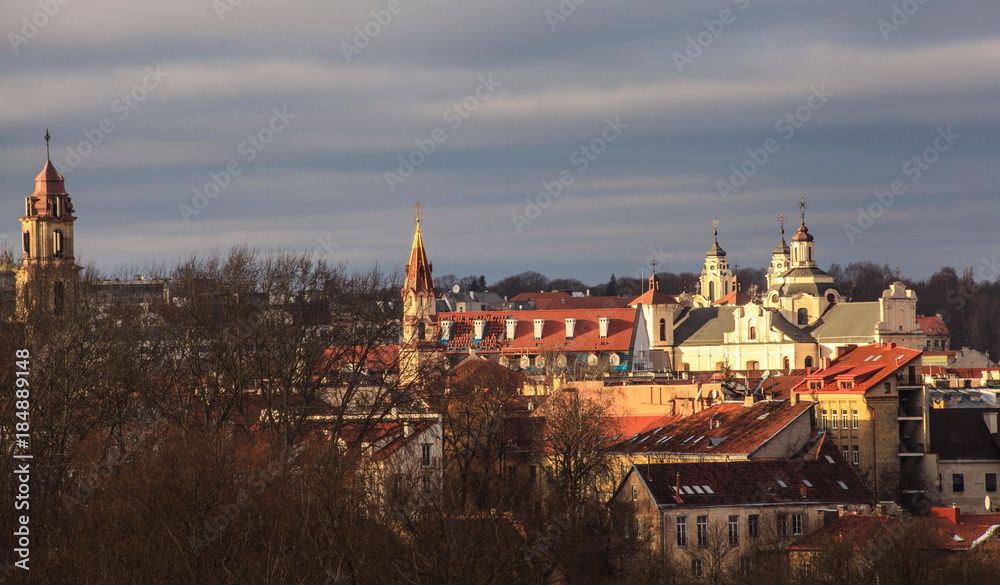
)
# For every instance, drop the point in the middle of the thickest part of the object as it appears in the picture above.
(808, 361)
(803, 316)
(822, 420)
(57, 244)
(753, 333)
(854, 419)
(734, 530)
(786, 363)
(745, 566)
(26, 241)
(855, 455)
(421, 330)
(635, 493)
(697, 569)
(682, 530)
(58, 298)
(533, 474)
(845, 452)
(888, 387)
(991, 482)
(833, 419)
(843, 418)
(425, 455)
(753, 525)
(957, 482)
(663, 329)
(56, 208)
(753, 365)
(702, 530)
(797, 524)
(782, 524)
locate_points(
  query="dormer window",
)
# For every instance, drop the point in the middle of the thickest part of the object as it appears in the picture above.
(846, 384)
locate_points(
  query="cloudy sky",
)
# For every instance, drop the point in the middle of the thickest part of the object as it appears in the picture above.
(189, 125)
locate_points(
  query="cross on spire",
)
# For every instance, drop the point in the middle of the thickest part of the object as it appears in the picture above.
(897, 273)
(715, 226)
(47, 138)
(417, 212)
(802, 208)
(781, 220)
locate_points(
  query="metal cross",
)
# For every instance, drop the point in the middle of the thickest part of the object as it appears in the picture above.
(418, 207)
(781, 220)
(715, 225)
(802, 206)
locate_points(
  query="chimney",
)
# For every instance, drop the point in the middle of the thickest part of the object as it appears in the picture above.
(480, 326)
(446, 329)
(511, 327)
(602, 324)
(748, 400)
(407, 428)
(570, 327)
(794, 399)
(539, 323)
(588, 292)
(677, 486)
(952, 513)
(841, 510)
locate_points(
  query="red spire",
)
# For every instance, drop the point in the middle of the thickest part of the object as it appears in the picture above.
(418, 269)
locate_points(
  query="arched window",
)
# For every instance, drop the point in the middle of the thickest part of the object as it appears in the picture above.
(663, 329)
(525, 362)
(56, 207)
(831, 298)
(810, 254)
(540, 361)
(421, 330)
(753, 365)
(711, 291)
(753, 333)
(26, 244)
(592, 359)
(561, 361)
(803, 315)
(685, 367)
(615, 360)
(58, 298)
(785, 363)
(57, 244)
(809, 361)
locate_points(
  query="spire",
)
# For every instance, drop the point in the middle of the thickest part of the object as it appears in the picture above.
(802, 235)
(418, 269)
(716, 249)
(782, 247)
(47, 138)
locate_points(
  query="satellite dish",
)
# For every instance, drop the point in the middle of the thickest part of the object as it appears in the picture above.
(989, 503)
(455, 289)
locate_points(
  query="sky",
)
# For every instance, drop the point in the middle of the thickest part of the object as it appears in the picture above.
(576, 138)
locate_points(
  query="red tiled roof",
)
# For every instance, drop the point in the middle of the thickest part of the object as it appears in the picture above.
(736, 297)
(632, 425)
(773, 482)
(561, 300)
(863, 367)
(862, 529)
(729, 428)
(653, 297)
(971, 373)
(585, 338)
(933, 325)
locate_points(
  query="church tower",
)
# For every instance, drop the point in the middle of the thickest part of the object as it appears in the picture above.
(419, 309)
(717, 279)
(780, 257)
(802, 243)
(48, 276)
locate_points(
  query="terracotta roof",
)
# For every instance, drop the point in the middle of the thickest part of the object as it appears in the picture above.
(653, 297)
(632, 425)
(585, 336)
(933, 325)
(736, 297)
(859, 370)
(49, 181)
(728, 428)
(560, 300)
(772, 482)
(951, 529)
